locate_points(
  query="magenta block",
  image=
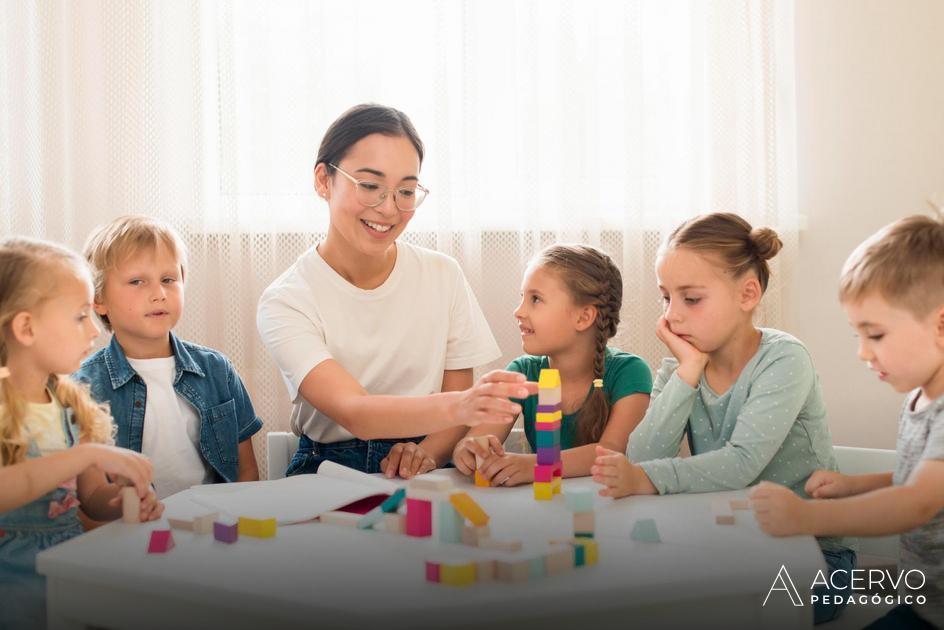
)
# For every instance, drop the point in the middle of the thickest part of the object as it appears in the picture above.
(224, 532)
(547, 426)
(432, 571)
(161, 541)
(558, 470)
(419, 518)
(544, 473)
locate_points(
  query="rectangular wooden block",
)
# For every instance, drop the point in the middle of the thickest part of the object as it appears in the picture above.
(543, 491)
(161, 541)
(204, 524)
(500, 545)
(395, 523)
(394, 501)
(549, 378)
(722, 512)
(585, 522)
(591, 552)
(449, 523)
(431, 481)
(544, 473)
(419, 518)
(180, 523)
(342, 519)
(226, 532)
(367, 521)
(579, 499)
(547, 418)
(473, 536)
(512, 571)
(480, 481)
(468, 508)
(257, 527)
(548, 408)
(432, 571)
(130, 505)
(645, 530)
(547, 426)
(546, 439)
(549, 397)
(556, 485)
(485, 570)
(548, 455)
(560, 559)
(457, 574)
(740, 504)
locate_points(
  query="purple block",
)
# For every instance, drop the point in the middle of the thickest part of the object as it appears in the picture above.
(225, 532)
(548, 456)
(549, 408)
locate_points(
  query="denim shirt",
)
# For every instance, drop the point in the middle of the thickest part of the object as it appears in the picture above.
(203, 377)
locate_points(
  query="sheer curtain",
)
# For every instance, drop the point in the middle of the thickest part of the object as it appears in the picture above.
(606, 122)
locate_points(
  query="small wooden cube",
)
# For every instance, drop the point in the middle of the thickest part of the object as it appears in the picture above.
(161, 541)
(130, 505)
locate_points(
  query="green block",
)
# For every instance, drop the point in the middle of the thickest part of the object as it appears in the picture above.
(580, 556)
(547, 439)
(583, 534)
(645, 530)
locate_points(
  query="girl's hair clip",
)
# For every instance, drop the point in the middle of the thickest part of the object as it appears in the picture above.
(4, 372)
(598, 383)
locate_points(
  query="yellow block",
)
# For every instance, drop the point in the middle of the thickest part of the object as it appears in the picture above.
(543, 491)
(480, 481)
(549, 379)
(468, 508)
(259, 528)
(457, 574)
(591, 552)
(548, 417)
(556, 485)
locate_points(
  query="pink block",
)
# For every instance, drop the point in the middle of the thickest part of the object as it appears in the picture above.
(432, 571)
(545, 473)
(419, 518)
(161, 541)
(558, 470)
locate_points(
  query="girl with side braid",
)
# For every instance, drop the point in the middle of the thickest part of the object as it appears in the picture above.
(570, 308)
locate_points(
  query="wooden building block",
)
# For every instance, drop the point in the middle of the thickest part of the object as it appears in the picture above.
(585, 522)
(395, 523)
(500, 545)
(468, 508)
(541, 419)
(550, 455)
(432, 571)
(394, 501)
(645, 530)
(473, 536)
(512, 571)
(425, 494)
(722, 512)
(161, 541)
(226, 532)
(367, 521)
(485, 570)
(419, 518)
(579, 499)
(560, 559)
(180, 523)
(457, 573)
(556, 485)
(431, 481)
(204, 524)
(546, 439)
(130, 505)
(449, 523)
(549, 379)
(543, 491)
(342, 519)
(544, 473)
(257, 527)
(591, 552)
(548, 408)
(739, 504)
(480, 481)
(549, 397)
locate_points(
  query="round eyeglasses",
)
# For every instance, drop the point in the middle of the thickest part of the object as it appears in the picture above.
(371, 194)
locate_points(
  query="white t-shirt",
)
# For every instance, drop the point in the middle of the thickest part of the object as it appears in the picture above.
(44, 422)
(396, 339)
(171, 437)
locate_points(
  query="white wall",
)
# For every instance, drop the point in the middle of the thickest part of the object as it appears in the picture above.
(870, 120)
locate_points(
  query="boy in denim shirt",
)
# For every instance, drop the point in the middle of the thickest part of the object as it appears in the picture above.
(181, 404)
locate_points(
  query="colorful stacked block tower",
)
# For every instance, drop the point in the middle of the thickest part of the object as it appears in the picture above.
(547, 472)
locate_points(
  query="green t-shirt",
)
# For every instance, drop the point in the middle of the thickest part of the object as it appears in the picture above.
(623, 374)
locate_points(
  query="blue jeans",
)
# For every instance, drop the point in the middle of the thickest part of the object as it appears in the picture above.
(844, 560)
(362, 455)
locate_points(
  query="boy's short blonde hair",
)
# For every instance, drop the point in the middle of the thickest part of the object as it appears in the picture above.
(111, 244)
(903, 262)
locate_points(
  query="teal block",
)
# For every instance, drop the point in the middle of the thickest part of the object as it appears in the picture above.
(450, 523)
(580, 555)
(547, 439)
(392, 503)
(645, 530)
(579, 500)
(583, 534)
(536, 567)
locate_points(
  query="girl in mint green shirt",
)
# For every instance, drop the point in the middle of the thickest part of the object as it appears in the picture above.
(570, 307)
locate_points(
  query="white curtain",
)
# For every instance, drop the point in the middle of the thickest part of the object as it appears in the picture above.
(606, 122)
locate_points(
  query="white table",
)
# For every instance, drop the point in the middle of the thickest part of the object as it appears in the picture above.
(317, 575)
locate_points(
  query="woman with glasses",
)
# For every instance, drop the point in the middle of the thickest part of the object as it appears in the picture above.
(376, 339)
